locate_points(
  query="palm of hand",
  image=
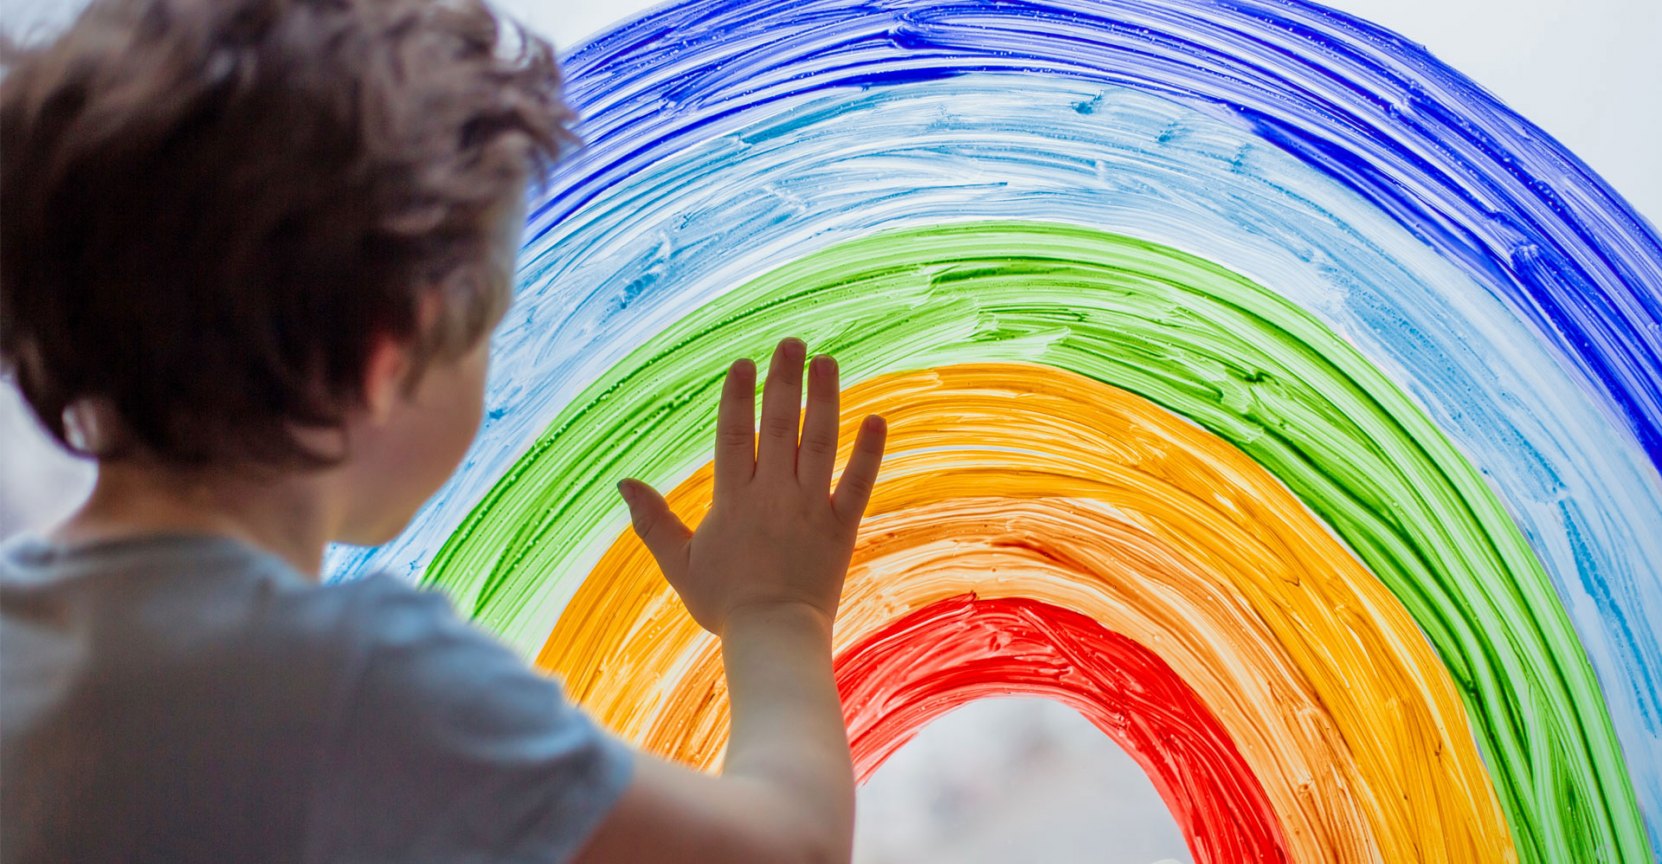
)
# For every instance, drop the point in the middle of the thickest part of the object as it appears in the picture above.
(776, 532)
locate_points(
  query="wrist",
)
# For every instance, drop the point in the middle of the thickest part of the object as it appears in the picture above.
(794, 615)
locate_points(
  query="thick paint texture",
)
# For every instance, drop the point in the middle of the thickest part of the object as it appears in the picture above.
(1452, 361)
(1027, 481)
(963, 648)
(1202, 342)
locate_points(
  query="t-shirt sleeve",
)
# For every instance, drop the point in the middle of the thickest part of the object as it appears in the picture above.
(449, 748)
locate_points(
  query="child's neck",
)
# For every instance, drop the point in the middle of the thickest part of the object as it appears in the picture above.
(286, 517)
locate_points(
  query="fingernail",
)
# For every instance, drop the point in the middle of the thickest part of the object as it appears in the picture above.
(820, 367)
(795, 350)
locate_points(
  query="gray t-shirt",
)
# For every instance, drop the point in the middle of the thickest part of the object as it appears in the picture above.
(189, 699)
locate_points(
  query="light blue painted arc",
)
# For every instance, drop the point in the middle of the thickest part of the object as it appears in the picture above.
(661, 242)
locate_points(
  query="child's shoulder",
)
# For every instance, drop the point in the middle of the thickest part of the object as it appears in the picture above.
(182, 619)
(172, 619)
(209, 684)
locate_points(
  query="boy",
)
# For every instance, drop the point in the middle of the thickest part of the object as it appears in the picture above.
(250, 255)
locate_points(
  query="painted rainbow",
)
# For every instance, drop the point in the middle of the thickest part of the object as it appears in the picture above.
(1259, 387)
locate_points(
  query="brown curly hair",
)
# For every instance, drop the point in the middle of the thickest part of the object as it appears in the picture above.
(211, 208)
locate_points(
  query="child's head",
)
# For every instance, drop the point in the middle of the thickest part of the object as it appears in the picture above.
(268, 234)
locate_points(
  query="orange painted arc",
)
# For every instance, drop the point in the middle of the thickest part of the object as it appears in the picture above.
(1019, 480)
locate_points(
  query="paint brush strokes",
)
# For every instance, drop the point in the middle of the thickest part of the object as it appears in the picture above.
(1468, 266)
(963, 648)
(1357, 102)
(1021, 480)
(1200, 341)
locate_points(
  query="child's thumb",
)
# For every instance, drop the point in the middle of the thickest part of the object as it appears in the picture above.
(658, 527)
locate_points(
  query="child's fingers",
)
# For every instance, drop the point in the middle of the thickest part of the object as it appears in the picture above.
(658, 527)
(781, 410)
(736, 428)
(860, 475)
(819, 427)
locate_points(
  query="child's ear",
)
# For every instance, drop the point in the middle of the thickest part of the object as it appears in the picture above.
(388, 365)
(385, 371)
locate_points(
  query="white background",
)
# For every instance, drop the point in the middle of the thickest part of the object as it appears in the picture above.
(1023, 780)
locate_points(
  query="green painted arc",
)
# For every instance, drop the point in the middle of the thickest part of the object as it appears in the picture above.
(1205, 343)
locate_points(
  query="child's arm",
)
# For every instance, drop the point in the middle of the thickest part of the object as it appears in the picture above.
(764, 572)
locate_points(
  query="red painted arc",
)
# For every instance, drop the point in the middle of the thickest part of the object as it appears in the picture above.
(954, 651)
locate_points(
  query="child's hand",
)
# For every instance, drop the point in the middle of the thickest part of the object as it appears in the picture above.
(776, 534)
